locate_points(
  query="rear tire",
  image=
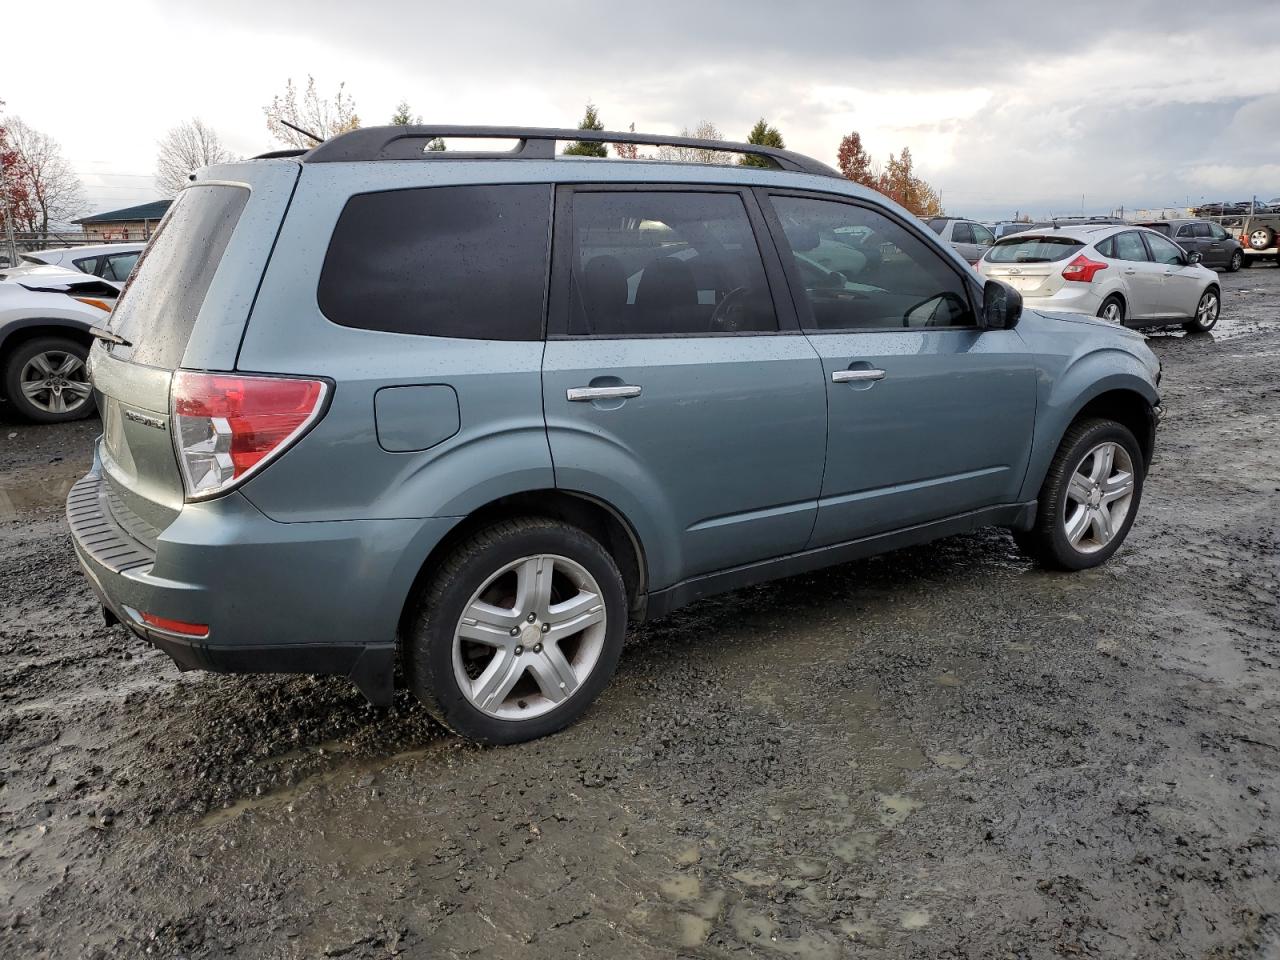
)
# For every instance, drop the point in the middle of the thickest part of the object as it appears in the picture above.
(1207, 311)
(517, 632)
(1262, 238)
(47, 381)
(1112, 309)
(1089, 498)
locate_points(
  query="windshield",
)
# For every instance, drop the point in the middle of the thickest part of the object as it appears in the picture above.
(1022, 249)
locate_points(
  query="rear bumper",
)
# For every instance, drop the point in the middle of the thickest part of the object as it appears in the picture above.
(1072, 298)
(276, 597)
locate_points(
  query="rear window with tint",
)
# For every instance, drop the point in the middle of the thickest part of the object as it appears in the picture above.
(158, 309)
(467, 261)
(1020, 249)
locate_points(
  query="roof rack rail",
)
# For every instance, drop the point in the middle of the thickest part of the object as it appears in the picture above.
(532, 143)
(274, 154)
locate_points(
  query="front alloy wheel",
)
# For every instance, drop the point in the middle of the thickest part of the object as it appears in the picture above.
(1089, 498)
(1098, 498)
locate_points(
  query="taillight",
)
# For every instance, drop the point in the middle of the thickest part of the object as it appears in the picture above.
(226, 426)
(1082, 269)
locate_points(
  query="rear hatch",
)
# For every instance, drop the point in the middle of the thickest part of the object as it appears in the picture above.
(1030, 263)
(185, 305)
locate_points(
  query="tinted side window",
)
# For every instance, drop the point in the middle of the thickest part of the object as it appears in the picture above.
(117, 266)
(981, 234)
(889, 279)
(467, 261)
(1107, 247)
(1162, 250)
(87, 265)
(665, 262)
(1202, 230)
(937, 226)
(1216, 232)
(1128, 246)
(1186, 230)
(962, 233)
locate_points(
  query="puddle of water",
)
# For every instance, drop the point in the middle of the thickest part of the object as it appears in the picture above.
(284, 796)
(857, 846)
(682, 888)
(951, 761)
(21, 498)
(914, 920)
(894, 808)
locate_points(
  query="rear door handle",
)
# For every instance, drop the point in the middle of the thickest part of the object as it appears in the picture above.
(845, 376)
(621, 392)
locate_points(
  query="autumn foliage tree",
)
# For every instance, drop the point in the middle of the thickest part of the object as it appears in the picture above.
(855, 162)
(47, 187)
(897, 181)
(14, 200)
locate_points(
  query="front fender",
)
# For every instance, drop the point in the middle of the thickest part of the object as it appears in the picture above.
(1064, 394)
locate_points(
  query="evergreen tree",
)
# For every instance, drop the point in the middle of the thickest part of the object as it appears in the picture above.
(762, 135)
(579, 148)
(403, 117)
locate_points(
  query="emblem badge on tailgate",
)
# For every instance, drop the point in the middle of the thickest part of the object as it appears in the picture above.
(145, 420)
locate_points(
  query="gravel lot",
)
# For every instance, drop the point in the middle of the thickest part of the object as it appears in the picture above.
(939, 753)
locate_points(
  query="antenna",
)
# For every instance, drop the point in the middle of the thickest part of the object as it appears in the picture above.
(297, 129)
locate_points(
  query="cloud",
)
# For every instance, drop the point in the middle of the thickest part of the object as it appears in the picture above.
(1005, 104)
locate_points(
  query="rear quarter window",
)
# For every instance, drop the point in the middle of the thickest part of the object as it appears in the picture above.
(464, 261)
(1019, 249)
(158, 309)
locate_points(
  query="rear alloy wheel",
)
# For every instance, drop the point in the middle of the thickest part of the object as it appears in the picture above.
(1206, 317)
(1089, 498)
(47, 381)
(1236, 262)
(1112, 309)
(519, 631)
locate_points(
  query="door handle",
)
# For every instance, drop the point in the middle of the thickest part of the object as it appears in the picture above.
(621, 392)
(846, 376)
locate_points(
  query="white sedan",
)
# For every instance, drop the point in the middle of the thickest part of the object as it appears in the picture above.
(46, 315)
(111, 261)
(1128, 275)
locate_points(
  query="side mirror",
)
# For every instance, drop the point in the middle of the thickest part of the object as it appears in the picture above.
(1193, 257)
(1001, 306)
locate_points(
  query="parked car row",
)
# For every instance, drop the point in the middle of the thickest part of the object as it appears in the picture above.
(1237, 208)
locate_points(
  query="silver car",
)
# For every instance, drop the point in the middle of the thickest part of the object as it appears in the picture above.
(1129, 275)
(968, 238)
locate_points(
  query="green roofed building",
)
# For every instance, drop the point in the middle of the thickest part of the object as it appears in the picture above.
(131, 223)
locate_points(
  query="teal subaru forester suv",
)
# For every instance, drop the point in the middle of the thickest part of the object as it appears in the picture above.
(459, 416)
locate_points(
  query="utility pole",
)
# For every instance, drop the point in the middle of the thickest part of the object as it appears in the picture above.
(10, 242)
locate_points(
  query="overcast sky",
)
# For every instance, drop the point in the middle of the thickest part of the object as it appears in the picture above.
(1006, 106)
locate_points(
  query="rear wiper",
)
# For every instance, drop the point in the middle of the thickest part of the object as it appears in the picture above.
(102, 333)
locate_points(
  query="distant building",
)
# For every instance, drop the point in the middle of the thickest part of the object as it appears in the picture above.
(131, 223)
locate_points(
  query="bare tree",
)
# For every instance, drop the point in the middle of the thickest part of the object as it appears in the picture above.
(706, 130)
(52, 189)
(188, 146)
(314, 113)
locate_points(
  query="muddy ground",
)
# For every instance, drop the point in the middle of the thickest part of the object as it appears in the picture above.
(939, 753)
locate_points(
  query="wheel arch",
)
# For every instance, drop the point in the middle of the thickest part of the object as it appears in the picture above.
(1126, 395)
(601, 520)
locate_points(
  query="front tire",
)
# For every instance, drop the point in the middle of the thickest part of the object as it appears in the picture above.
(1207, 311)
(1089, 499)
(518, 631)
(47, 381)
(1236, 262)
